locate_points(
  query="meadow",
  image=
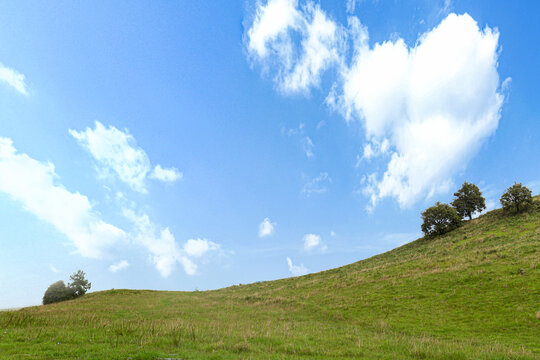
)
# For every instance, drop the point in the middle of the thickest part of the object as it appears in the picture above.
(473, 293)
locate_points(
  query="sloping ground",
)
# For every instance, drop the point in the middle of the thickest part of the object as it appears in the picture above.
(473, 293)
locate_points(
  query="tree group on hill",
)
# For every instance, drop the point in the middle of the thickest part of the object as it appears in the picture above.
(442, 218)
(78, 286)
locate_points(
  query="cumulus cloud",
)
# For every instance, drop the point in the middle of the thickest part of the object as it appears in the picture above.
(266, 228)
(14, 79)
(166, 174)
(434, 103)
(296, 270)
(199, 247)
(270, 42)
(313, 241)
(121, 265)
(33, 184)
(165, 253)
(117, 152)
(426, 108)
(317, 185)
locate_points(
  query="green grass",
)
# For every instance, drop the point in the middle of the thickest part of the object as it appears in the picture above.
(473, 293)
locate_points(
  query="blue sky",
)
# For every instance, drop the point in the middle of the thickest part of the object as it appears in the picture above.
(196, 145)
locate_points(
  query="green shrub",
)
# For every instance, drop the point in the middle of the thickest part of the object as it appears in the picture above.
(57, 292)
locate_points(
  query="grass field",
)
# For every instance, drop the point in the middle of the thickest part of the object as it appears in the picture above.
(473, 293)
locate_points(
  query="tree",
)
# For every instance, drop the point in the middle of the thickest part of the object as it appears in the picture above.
(56, 292)
(79, 285)
(468, 200)
(517, 197)
(440, 219)
(60, 292)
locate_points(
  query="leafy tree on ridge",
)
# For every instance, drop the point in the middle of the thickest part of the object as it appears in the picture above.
(468, 200)
(516, 196)
(440, 219)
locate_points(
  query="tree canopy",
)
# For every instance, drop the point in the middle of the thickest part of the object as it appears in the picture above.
(79, 284)
(517, 197)
(468, 200)
(56, 292)
(439, 219)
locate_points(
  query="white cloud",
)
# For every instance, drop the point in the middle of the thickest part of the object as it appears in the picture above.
(426, 108)
(317, 185)
(165, 252)
(266, 228)
(271, 25)
(313, 241)
(270, 42)
(434, 103)
(13, 79)
(33, 184)
(166, 174)
(308, 147)
(53, 269)
(199, 247)
(163, 248)
(117, 152)
(351, 6)
(333, 233)
(296, 270)
(119, 266)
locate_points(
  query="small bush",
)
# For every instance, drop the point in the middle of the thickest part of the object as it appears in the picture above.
(57, 292)
(440, 219)
(516, 198)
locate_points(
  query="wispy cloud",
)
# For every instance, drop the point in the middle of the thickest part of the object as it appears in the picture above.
(296, 270)
(266, 228)
(121, 265)
(166, 174)
(14, 79)
(270, 43)
(34, 185)
(308, 147)
(116, 152)
(165, 252)
(317, 185)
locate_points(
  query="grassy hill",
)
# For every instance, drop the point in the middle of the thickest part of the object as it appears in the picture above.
(473, 293)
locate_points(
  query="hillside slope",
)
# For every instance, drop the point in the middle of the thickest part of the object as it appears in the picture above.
(473, 293)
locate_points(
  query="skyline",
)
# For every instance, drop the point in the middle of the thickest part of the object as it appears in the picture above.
(198, 146)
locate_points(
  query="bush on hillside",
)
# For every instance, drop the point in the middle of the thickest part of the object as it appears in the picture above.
(516, 198)
(440, 219)
(60, 292)
(469, 200)
(57, 292)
